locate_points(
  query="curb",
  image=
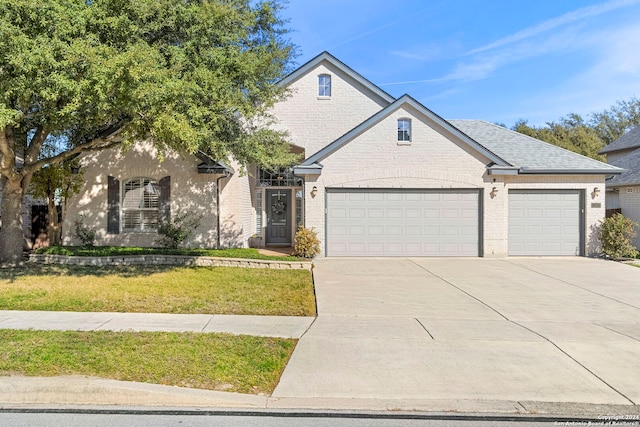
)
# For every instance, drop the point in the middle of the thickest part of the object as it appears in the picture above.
(98, 395)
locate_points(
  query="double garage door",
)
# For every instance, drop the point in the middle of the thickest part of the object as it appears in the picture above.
(403, 222)
(447, 222)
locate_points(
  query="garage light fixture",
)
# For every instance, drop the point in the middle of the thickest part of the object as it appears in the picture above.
(314, 191)
(494, 192)
(596, 192)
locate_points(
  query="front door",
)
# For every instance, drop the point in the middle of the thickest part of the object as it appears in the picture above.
(278, 217)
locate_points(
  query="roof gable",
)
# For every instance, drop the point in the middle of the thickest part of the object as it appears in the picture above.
(405, 100)
(335, 62)
(631, 175)
(629, 140)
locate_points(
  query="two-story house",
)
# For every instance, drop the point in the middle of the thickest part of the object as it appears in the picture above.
(381, 176)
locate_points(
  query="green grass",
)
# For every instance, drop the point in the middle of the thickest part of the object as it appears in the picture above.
(242, 364)
(247, 253)
(158, 289)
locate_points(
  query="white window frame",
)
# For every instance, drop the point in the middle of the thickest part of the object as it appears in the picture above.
(324, 86)
(404, 131)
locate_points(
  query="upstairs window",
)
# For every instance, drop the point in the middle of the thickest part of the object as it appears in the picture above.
(324, 85)
(404, 130)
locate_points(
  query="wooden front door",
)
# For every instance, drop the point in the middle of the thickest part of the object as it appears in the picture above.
(278, 217)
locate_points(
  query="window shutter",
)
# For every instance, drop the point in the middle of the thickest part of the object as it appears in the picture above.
(165, 199)
(113, 205)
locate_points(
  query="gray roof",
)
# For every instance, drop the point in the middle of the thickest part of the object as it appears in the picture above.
(631, 139)
(631, 176)
(530, 155)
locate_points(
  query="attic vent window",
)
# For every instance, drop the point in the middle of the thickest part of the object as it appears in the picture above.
(404, 131)
(324, 85)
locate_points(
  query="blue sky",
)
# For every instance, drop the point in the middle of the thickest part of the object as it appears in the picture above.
(496, 60)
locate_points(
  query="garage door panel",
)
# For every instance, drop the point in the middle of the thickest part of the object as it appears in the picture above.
(431, 213)
(545, 222)
(403, 223)
(413, 213)
(394, 213)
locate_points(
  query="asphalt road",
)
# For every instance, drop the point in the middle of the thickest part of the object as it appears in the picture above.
(183, 419)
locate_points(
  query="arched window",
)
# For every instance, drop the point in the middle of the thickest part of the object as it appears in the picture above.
(140, 204)
(404, 130)
(324, 85)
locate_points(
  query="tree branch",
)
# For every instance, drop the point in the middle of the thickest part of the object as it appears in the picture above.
(109, 141)
(35, 145)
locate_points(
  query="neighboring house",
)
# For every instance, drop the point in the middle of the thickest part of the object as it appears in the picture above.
(623, 191)
(380, 177)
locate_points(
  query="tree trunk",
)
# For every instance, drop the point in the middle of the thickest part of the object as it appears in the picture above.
(11, 233)
(53, 226)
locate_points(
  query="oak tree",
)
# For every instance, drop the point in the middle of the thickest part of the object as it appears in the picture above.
(186, 74)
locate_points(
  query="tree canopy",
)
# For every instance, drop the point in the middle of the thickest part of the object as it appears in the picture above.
(587, 136)
(187, 74)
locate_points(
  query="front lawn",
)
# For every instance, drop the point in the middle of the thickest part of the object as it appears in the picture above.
(158, 289)
(223, 362)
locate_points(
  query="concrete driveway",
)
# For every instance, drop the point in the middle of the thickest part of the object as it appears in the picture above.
(510, 332)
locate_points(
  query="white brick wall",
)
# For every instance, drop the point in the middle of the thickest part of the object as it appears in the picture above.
(433, 160)
(314, 122)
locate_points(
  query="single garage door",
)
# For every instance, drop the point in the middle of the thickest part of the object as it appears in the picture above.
(402, 222)
(545, 222)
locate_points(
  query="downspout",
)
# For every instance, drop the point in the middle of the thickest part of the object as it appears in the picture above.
(226, 175)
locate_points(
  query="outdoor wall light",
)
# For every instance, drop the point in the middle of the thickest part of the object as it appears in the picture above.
(596, 192)
(494, 192)
(314, 191)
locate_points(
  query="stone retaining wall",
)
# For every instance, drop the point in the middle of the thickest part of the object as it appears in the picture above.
(203, 261)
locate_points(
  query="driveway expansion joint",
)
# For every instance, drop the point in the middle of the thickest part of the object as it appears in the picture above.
(461, 290)
(617, 332)
(578, 362)
(572, 284)
(425, 328)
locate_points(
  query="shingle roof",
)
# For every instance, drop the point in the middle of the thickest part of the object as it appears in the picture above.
(630, 162)
(631, 139)
(529, 154)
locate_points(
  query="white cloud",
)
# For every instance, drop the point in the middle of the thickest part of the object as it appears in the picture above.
(550, 24)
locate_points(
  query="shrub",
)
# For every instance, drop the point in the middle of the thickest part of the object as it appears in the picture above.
(306, 243)
(615, 237)
(85, 234)
(177, 230)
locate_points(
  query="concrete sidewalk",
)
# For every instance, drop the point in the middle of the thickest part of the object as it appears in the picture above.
(265, 326)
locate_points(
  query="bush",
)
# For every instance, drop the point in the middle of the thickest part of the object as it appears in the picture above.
(177, 230)
(85, 234)
(615, 237)
(306, 243)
